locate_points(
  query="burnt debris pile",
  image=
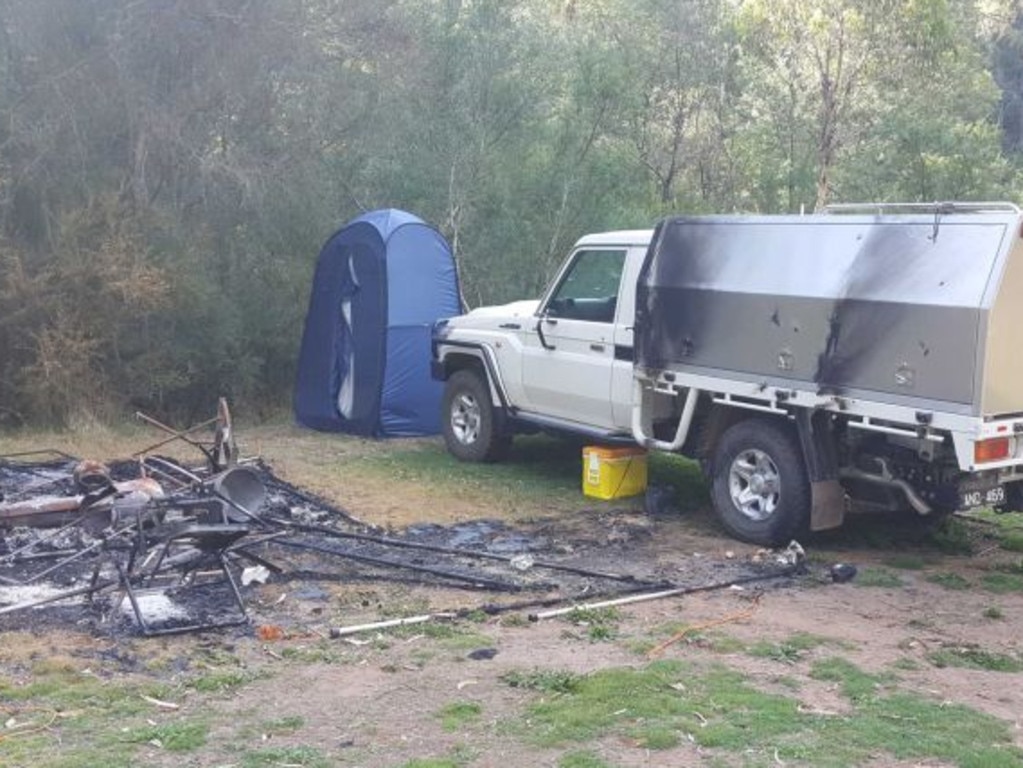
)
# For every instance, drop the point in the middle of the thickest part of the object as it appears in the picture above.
(154, 545)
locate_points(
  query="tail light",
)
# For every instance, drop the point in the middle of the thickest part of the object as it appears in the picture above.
(986, 451)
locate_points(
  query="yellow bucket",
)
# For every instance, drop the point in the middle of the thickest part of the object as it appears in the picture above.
(613, 473)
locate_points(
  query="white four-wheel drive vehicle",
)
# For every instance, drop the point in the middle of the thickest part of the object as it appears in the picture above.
(868, 357)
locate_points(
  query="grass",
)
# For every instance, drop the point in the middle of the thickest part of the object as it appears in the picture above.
(1007, 527)
(906, 664)
(684, 476)
(449, 636)
(973, 657)
(541, 472)
(457, 715)
(952, 537)
(657, 705)
(223, 681)
(1002, 583)
(280, 725)
(909, 726)
(790, 650)
(548, 681)
(294, 757)
(541, 475)
(582, 759)
(950, 581)
(324, 652)
(601, 624)
(85, 711)
(994, 613)
(872, 576)
(718, 642)
(714, 641)
(181, 736)
(266, 729)
(93, 441)
(1012, 541)
(82, 719)
(906, 562)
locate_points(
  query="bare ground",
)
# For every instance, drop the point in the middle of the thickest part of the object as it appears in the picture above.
(375, 699)
(376, 706)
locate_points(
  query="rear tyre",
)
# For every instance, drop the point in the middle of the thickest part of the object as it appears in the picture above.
(473, 429)
(760, 488)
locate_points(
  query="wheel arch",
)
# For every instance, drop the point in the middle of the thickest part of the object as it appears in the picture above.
(479, 359)
(716, 419)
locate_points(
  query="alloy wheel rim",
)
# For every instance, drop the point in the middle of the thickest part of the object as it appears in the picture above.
(465, 419)
(754, 484)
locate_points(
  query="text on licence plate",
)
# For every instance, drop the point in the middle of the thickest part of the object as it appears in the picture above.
(985, 497)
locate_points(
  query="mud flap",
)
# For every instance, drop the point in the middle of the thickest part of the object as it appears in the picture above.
(818, 442)
(828, 500)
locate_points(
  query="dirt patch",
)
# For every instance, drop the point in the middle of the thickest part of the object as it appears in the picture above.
(378, 699)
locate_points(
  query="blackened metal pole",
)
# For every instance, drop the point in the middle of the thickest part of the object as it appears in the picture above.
(391, 541)
(503, 586)
(659, 595)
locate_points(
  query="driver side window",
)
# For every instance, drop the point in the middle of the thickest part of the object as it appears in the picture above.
(589, 290)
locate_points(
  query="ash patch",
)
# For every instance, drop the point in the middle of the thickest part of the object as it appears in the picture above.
(174, 566)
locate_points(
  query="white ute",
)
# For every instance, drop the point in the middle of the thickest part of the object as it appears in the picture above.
(865, 358)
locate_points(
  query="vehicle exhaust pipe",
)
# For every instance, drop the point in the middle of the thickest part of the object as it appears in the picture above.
(888, 480)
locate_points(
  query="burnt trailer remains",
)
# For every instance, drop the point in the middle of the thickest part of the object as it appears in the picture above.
(874, 343)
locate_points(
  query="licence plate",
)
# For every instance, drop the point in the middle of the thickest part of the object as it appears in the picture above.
(989, 496)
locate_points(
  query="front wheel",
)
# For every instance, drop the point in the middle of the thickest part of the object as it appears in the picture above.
(760, 488)
(472, 428)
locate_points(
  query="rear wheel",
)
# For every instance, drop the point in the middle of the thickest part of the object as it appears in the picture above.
(760, 487)
(473, 430)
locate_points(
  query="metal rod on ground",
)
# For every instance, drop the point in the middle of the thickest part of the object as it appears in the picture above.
(659, 595)
(353, 630)
(175, 434)
(92, 588)
(502, 586)
(255, 541)
(147, 461)
(492, 609)
(390, 541)
(149, 469)
(45, 555)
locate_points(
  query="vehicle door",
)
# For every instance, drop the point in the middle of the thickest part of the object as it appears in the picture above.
(625, 320)
(567, 362)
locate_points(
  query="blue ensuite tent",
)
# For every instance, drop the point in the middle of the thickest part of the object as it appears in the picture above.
(381, 281)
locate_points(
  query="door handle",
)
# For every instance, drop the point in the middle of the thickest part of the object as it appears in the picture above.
(597, 347)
